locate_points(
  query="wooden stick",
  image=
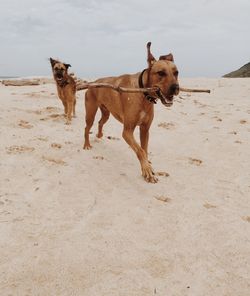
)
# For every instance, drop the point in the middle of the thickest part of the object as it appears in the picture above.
(86, 85)
(20, 82)
(194, 90)
(81, 86)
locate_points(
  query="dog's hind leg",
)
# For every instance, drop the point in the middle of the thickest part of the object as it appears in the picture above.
(103, 120)
(91, 109)
(65, 108)
(74, 108)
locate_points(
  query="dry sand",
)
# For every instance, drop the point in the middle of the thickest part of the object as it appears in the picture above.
(76, 223)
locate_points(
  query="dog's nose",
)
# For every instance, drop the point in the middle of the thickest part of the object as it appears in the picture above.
(174, 88)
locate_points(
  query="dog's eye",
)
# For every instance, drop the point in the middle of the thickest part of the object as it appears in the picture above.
(56, 68)
(176, 73)
(161, 73)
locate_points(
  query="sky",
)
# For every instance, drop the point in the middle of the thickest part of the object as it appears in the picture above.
(208, 38)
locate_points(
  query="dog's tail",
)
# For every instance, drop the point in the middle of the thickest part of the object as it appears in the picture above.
(74, 77)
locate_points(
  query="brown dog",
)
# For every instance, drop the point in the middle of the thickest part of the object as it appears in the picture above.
(66, 87)
(134, 109)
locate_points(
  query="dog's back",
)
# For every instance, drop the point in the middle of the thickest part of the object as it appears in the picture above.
(116, 102)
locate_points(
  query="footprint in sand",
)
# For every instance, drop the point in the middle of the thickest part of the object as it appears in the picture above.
(37, 112)
(18, 149)
(201, 105)
(25, 124)
(163, 198)
(167, 125)
(56, 145)
(53, 160)
(243, 121)
(233, 133)
(217, 118)
(55, 117)
(113, 138)
(98, 157)
(162, 174)
(195, 161)
(44, 139)
(32, 95)
(209, 206)
(51, 109)
(247, 218)
(184, 96)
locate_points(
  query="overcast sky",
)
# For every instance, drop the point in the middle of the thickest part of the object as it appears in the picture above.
(208, 38)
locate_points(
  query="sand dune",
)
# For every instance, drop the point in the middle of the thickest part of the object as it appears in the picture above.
(77, 222)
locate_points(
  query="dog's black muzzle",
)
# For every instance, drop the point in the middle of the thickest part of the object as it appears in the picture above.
(59, 74)
(174, 89)
(167, 99)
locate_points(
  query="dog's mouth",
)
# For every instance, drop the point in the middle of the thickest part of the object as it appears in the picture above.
(166, 100)
(59, 76)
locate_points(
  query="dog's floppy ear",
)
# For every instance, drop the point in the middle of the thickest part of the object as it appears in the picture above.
(151, 58)
(67, 66)
(168, 57)
(53, 62)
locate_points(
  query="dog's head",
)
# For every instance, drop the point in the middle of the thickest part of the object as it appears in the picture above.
(163, 74)
(60, 70)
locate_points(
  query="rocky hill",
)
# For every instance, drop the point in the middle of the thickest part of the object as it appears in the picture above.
(242, 72)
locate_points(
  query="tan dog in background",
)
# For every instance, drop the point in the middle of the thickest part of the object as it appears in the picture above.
(66, 87)
(134, 109)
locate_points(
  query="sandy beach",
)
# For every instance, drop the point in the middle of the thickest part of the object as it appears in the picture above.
(85, 223)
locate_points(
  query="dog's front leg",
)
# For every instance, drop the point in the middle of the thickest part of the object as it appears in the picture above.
(69, 112)
(146, 168)
(65, 108)
(144, 137)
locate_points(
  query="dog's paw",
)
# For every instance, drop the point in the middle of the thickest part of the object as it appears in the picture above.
(99, 135)
(87, 146)
(151, 179)
(149, 175)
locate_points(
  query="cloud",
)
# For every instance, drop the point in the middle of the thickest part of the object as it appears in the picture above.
(208, 38)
